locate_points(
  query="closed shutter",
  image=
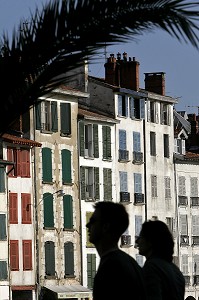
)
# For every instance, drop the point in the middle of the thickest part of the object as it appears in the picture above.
(69, 258)
(142, 109)
(138, 225)
(107, 178)
(123, 182)
(81, 138)
(3, 270)
(185, 266)
(66, 166)
(38, 115)
(181, 186)
(47, 164)
(195, 225)
(120, 105)
(183, 225)
(14, 255)
(65, 109)
(26, 208)
(24, 162)
(3, 235)
(54, 116)
(194, 186)
(48, 210)
(136, 141)
(50, 258)
(91, 269)
(2, 179)
(83, 183)
(95, 140)
(27, 255)
(68, 211)
(13, 208)
(122, 139)
(18, 161)
(132, 108)
(137, 183)
(96, 182)
(106, 138)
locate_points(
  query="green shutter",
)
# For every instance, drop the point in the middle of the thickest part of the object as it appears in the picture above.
(3, 270)
(96, 177)
(107, 184)
(68, 211)
(69, 259)
(3, 227)
(47, 164)
(106, 137)
(95, 139)
(2, 179)
(38, 115)
(83, 183)
(54, 116)
(81, 138)
(91, 269)
(50, 258)
(66, 166)
(48, 210)
(65, 109)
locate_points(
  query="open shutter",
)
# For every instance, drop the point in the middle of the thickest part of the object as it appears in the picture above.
(24, 162)
(26, 208)
(14, 255)
(91, 269)
(106, 138)
(3, 270)
(65, 109)
(48, 210)
(50, 258)
(13, 208)
(38, 115)
(27, 255)
(132, 108)
(47, 164)
(68, 211)
(96, 182)
(95, 140)
(81, 138)
(54, 118)
(142, 108)
(66, 166)
(69, 258)
(2, 227)
(107, 174)
(83, 183)
(2, 179)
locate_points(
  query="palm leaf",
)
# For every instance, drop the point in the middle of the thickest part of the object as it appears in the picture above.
(64, 33)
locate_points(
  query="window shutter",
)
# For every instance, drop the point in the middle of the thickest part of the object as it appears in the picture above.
(181, 186)
(50, 258)
(137, 183)
(38, 115)
(65, 109)
(106, 139)
(132, 108)
(91, 269)
(185, 269)
(167, 181)
(69, 258)
(26, 208)
(88, 243)
(18, 161)
(95, 140)
(27, 255)
(136, 141)
(196, 263)
(24, 162)
(83, 183)
(194, 186)
(14, 255)
(13, 208)
(68, 211)
(54, 117)
(183, 147)
(122, 139)
(81, 138)
(48, 210)
(47, 164)
(148, 111)
(2, 179)
(123, 182)
(3, 270)
(120, 105)
(195, 225)
(107, 174)
(96, 182)
(3, 235)
(138, 225)
(66, 166)
(142, 108)
(10, 157)
(183, 225)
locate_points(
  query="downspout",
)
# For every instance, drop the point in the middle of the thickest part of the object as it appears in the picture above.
(145, 177)
(176, 208)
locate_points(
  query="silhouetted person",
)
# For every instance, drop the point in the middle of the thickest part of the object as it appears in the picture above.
(164, 280)
(119, 277)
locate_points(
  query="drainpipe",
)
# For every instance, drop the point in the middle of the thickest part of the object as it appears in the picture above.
(145, 161)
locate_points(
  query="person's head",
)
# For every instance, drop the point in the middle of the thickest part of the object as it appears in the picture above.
(156, 239)
(108, 222)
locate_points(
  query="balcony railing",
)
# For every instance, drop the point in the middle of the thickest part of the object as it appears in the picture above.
(125, 197)
(123, 155)
(195, 240)
(187, 279)
(194, 201)
(182, 200)
(184, 240)
(137, 157)
(138, 198)
(125, 240)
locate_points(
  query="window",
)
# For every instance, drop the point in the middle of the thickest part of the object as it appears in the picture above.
(107, 179)
(46, 116)
(154, 192)
(26, 208)
(47, 165)
(66, 166)
(138, 225)
(181, 186)
(167, 185)
(194, 187)
(3, 270)
(3, 234)
(137, 108)
(152, 112)
(170, 223)
(65, 111)
(48, 210)
(195, 225)
(166, 145)
(13, 208)
(27, 255)
(179, 146)
(89, 178)
(183, 225)
(21, 158)
(123, 153)
(123, 182)
(164, 114)
(14, 255)
(136, 141)
(91, 269)
(68, 211)
(185, 266)
(123, 105)
(69, 259)
(106, 140)
(50, 258)
(137, 183)
(88, 243)
(2, 179)
(196, 264)
(152, 143)
(88, 140)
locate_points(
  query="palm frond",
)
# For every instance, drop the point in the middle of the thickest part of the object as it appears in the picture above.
(65, 33)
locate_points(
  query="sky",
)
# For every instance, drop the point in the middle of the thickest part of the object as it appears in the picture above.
(156, 51)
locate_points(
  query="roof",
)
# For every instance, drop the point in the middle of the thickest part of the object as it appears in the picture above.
(89, 115)
(19, 140)
(69, 291)
(184, 123)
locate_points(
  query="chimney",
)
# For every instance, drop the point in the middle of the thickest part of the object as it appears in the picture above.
(122, 72)
(155, 82)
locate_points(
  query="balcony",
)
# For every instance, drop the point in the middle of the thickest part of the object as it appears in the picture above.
(195, 279)
(125, 241)
(123, 155)
(124, 197)
(187, 279)
(137, 157)
(194, 201)
(184, 240)
(195, 240)
(182, 200)
(138, 198)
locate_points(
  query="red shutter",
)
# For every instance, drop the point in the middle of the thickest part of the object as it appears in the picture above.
(27, 255)
(13, 208)
(10, 158)
(26, 208)
(18, 162)
(14, 255)
(24, 163)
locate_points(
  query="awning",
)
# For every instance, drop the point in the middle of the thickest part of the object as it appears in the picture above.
(69, 291)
